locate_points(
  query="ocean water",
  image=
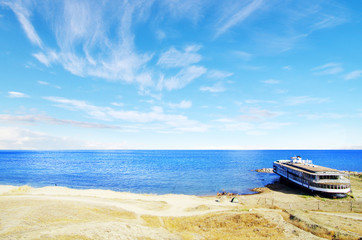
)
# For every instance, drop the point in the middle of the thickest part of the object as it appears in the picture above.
(199, 172)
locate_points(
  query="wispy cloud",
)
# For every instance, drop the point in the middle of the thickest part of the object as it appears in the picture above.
(170, 122)
(334, 17)
(118, 104)
(216, 88)
(175, 58)
(317, 116)
(43, 83)
(257, 101)
(189, 9)
(18, 138)
(85, 45)
(243, 55)
(24, 139)
(250, 127)
(288, 67)
(271, 81)
(328, 69)
(297, 21)
(257, 114)
(236, 14)
(17, 95)
(353, 75)
(23, 15)
(48, 84)
(50, 120)
(184, 104)
(217, 74)
(182, 78)
(297, 100)
(47, 57)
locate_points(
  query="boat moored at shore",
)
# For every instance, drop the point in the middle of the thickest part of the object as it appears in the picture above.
(326, 181)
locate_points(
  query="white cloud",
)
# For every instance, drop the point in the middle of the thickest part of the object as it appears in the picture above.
(243, 55)
(217, 87)
(48, 84)
(297, 100)
(271, 81)
(184, 104)
(43, 83)
(182, 78)
(170, 122)
(174, 58)
(216, 74)
(24, 139)
(18, 138)
(256, 101)
(235, 15)
(257, 114)
(85, 47)
(17, 95)
(288, 67)
(189, 9)
(118, 104)
(330, 20)
(250, 127)
(353, 75)
(50, 120)
(47, 57)
(161, 35)
(297, 21)
(328, 69)
(281, 91)
(23, 15)
(318, 116)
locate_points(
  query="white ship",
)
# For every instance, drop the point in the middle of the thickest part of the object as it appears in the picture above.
(313, 177)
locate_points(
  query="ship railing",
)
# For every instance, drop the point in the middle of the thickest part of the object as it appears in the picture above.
(330, 186)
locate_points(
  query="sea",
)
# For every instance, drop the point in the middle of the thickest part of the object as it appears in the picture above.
(192, 172)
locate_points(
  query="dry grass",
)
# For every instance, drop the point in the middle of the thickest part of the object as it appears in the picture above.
(152, 221)
(224, 226)
(316, 229)
(19, 190)
(337, 222)
(65, 237)
(198, 208)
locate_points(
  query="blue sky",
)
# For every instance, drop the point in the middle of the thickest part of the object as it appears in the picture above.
(189, 74)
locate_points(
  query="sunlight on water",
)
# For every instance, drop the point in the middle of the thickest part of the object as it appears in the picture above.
(161, 172)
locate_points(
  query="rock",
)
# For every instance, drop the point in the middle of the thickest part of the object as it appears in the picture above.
(265, 170)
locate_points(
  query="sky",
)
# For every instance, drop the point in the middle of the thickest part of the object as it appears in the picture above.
(188, 74)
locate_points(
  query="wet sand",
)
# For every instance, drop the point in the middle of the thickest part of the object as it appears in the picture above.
(278, 212)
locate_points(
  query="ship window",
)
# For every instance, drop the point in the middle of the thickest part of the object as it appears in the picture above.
(328, 177)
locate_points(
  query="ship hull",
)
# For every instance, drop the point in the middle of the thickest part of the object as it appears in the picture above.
(312, 178)
(311, 191)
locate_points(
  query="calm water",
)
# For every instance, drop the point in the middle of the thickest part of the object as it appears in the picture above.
(184, 172)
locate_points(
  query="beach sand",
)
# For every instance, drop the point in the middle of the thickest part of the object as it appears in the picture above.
(278, 212)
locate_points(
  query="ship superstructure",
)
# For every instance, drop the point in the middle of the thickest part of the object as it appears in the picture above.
(313, 177)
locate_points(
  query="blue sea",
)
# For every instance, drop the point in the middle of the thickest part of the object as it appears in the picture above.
(198, 172)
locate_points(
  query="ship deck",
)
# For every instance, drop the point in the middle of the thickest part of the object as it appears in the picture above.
(310, 168)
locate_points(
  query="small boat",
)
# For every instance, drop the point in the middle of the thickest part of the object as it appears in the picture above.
(327, 181)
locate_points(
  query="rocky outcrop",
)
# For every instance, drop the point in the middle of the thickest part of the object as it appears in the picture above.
(265, 170)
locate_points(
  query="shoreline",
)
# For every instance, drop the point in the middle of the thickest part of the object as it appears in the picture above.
(277, 212)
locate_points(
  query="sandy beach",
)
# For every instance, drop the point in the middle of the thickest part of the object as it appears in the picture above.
(278, 212)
